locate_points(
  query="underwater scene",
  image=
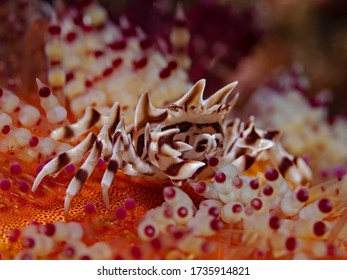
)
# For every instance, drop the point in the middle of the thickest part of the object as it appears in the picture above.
(164, 130)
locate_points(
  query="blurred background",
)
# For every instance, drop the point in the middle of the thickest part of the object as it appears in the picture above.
(289, 56)
(249, 41)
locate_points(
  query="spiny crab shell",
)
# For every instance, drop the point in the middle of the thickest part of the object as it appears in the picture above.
(180, 142)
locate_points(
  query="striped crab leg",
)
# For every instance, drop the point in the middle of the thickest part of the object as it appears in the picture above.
(108, 130)
(123, 150)
(64, 159)
(112, 167)
(89, 119)
(82, 175)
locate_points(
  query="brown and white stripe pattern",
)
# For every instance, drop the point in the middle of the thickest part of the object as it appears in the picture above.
(64, 159)
(169, 143)
(89, 119)
(82, 175)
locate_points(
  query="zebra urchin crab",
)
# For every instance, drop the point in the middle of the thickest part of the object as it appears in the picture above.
(180, 142)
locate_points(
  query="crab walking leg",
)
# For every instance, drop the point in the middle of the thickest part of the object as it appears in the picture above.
(64, 159)
(116, 156)
(130, 155)
(114, 118)
(107, 130)
(82, 175)
(89, 119)
(105, 137)
(290, 167)
(112, 167)
(244, 162)
(122, 149)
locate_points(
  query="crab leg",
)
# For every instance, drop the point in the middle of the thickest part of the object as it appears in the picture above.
(82, 175)
(131, 157)
(89, 119)
(106, 132)
(105, 137)
(64, 159)
(244, 162)
(122, 150)
(291, 167)
(114, 118)
(112, 167)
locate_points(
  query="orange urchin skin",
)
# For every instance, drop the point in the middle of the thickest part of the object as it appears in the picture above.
(46, 205)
